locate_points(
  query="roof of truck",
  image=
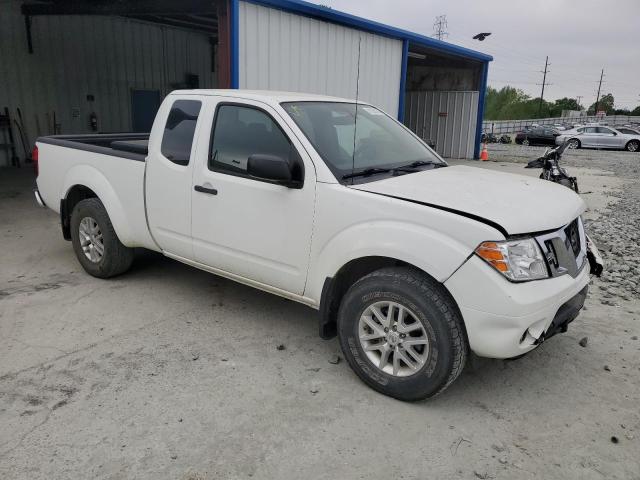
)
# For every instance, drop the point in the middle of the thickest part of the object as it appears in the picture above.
(268, 96)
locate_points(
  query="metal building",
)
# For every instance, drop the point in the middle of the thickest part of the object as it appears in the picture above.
(74, 66)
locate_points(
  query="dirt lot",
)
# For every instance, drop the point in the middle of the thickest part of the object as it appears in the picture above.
(171, 373)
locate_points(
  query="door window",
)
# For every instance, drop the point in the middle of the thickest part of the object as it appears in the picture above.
(590, 130)
(179, 130)
(240, 132)
(605, 130)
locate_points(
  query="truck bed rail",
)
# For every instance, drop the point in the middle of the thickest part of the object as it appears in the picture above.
(132, 146)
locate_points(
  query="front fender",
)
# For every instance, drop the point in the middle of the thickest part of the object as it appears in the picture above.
(92, 178)
(431, 251)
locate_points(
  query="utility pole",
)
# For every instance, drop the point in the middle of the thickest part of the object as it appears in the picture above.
(598, 95)
(544, 82)
(440, 27)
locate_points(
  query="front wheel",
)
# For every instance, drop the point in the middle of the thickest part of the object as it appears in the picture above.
(633, 146)
(95, 242)
(402, 333)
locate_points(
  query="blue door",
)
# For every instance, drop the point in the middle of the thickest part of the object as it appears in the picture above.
(144, 105)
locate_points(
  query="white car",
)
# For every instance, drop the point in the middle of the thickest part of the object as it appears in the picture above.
(412, 263)
(599, 137)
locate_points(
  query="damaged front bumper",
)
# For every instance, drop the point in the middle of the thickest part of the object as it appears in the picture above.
(566, 314)
(505, 319)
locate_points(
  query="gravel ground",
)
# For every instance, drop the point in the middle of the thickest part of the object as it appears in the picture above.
(171, 373)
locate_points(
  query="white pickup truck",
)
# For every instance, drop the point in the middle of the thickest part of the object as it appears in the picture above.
(411, 262)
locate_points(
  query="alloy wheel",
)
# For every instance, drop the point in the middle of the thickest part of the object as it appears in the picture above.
(91, 239)
(393, 338)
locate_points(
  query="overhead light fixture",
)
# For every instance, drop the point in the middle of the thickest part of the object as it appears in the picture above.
(421, 56)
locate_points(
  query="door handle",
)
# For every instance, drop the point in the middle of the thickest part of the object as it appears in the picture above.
(201, 189)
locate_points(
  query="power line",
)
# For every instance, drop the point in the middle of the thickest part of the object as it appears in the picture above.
(440, 27)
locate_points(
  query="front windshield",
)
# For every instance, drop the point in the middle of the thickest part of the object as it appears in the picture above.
(380, 142)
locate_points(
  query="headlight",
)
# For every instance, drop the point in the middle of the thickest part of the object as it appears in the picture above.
(518, 260)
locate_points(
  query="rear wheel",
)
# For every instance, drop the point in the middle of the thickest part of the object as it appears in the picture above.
(573, 143)
(633, 146)
(402, 334)
(95, 242)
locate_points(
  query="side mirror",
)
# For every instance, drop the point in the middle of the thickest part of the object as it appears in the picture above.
(272, 168)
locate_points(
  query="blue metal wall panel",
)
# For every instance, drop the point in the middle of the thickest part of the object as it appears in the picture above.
(403, 79)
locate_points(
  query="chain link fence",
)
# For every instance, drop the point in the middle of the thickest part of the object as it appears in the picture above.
(500, 127)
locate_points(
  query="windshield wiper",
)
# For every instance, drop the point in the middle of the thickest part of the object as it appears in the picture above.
(366, 172)
(416, 164)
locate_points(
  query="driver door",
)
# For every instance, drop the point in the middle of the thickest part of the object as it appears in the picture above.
(242, 225)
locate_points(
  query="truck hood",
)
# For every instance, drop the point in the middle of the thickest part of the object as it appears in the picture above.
(514, 204)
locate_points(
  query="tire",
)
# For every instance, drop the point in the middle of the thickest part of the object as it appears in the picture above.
(574, 144)
(91, 229)
(633, 146)
(430, 313)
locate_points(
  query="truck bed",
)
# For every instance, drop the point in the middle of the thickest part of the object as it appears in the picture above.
(111, 165)
(133, 146)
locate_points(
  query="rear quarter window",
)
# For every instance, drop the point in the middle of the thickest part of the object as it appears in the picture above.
(177, 138)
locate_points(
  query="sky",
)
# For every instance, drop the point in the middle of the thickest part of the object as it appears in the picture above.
(581, 37)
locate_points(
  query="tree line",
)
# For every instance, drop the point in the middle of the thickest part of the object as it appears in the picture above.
(510, 103)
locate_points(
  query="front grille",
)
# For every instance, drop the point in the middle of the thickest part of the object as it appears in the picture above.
(572, 240)
(565, 249)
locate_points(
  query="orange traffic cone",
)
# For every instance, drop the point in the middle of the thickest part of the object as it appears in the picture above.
(484, 155)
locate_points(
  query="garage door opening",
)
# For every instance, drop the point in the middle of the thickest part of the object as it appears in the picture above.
(441, 100)
(91, 67)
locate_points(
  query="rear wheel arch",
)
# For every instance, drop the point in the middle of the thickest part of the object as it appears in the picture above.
(85, 181)
(335, 288)
(74, 195)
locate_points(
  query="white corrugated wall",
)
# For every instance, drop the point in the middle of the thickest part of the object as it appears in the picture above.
(79, 55)
(446, 118)
(285, 51)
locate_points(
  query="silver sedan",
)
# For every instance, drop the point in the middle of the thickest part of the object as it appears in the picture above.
(599, 137)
